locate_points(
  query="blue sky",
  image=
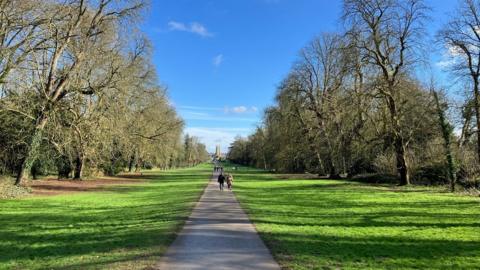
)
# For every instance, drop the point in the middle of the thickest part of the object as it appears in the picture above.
(222, 59)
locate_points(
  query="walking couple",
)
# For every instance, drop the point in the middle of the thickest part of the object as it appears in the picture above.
(228, 178)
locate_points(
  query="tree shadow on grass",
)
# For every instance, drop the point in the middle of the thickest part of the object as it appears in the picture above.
(370, 221)
(344, 205)
(325, 209)
(71, 232)
(166, 177)
(64, 232)
(372, 252)
(109, 263)
(327, 224)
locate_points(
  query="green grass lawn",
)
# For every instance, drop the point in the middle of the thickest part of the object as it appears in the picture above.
(326, 224)
(123, 227)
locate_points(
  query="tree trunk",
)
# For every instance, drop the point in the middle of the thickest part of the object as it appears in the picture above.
(265, 167)
(334, 175)
(77, 175)
(34, 173)
(402, 165)
(19, 174)
(63, 174)
(320, 164)
(333, 170)
(137, 165)
(399, 143)
(32, 152)
(476, 101)
(446, 133)
(131, 163)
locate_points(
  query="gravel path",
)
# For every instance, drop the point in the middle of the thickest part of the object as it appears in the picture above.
(218, 235)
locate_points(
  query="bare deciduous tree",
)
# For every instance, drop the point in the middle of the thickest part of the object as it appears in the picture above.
(21, 24)
(461, 37)
(388, 32)
(320, 75)
(73, 40)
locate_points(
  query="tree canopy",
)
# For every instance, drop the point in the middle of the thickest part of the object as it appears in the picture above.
(79, 95)
(352, 103)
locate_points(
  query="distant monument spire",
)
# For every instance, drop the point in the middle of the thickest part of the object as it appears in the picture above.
(218, 154)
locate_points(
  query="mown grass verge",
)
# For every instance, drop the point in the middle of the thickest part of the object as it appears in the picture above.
(328, 224)
(122, 227)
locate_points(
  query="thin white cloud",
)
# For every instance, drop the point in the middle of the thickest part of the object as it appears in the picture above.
(200, 108)
(177, 26)
(240, 109)
(216, 114)
(454, 51)
(445, 63)
(199, 29)
(453, 54)
(218, 60)
(194, 27)
(208, 117)
(193, 114)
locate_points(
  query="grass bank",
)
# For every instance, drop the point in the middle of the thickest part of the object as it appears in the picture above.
(121, 227)
(327, 224)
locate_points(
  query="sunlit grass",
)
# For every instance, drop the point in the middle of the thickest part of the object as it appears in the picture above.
(123, 227)
(325, 224)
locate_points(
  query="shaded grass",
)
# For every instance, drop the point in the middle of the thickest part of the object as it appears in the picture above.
(328, 224)
(123, 227)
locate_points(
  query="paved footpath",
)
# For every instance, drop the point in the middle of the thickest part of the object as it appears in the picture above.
(218, 235)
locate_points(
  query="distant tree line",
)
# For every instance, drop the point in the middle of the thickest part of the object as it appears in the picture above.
(353, 104)
(79, 95)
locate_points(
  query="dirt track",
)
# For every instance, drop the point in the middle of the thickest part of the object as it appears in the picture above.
(50, 187)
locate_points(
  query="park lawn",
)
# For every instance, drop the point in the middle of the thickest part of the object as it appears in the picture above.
(123, 227)
(327, 224)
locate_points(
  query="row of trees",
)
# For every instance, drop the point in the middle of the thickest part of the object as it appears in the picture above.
(353, 104)
(78, 93)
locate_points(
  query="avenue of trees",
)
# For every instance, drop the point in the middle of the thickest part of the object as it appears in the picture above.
(353, 102)
(79, 95)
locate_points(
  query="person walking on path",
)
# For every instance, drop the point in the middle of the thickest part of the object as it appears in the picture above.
(229, 181)
(221, 180)
(217, 236)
